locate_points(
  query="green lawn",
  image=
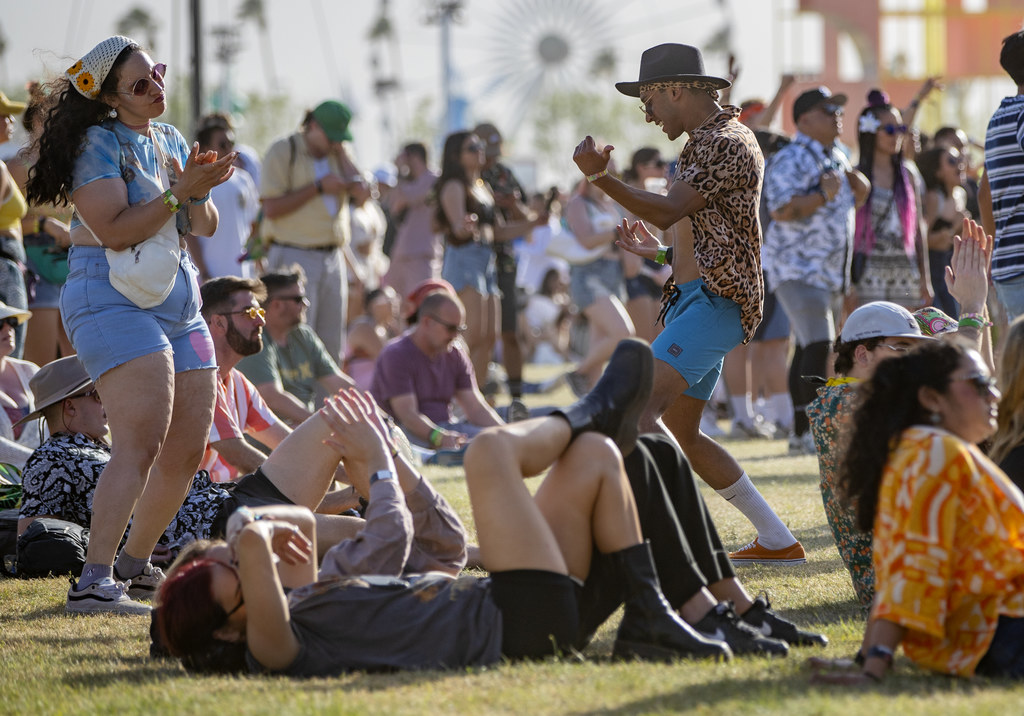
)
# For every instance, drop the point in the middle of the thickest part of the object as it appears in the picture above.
(51, 663)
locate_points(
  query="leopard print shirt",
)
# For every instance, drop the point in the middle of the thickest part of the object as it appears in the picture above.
(722, 161)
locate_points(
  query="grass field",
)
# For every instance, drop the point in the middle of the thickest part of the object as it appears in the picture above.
(51, 663)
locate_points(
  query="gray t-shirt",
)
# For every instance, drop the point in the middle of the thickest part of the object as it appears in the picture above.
(428, 621)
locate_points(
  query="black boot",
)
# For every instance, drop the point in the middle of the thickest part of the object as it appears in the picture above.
(650, 629)
(613, 407)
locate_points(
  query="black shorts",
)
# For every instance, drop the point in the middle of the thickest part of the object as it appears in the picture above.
(254, 490)
(539, 611)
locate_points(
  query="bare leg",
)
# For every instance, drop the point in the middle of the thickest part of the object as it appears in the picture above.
(332, 529)
(42, 335)
(682, 422)
(609, 324)
(133, 394)
(476, 331)
(179, 458)
(302, 467)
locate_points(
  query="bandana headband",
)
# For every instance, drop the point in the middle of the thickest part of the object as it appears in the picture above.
(87, 75)
(699, 85)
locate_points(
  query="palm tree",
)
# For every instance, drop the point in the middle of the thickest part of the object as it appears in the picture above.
(138, 20)
(254, 11)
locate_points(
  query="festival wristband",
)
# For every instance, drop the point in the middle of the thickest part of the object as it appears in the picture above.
(436, 437)
(973, 320)
(170, 202)
(203, 200)
(662, 256)
(594, 177)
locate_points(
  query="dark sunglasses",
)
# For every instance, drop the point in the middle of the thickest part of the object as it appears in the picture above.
(294, 299)
(983, 383)
(452, 328)
(94, 394)
(11, 321)
(473, 147)
(141, 85)
(251, 311)
(892, 129)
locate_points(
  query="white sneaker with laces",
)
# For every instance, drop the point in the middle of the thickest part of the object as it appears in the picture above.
(104, 596)
(144, 585)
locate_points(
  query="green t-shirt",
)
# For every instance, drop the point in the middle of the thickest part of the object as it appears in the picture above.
(295, 366)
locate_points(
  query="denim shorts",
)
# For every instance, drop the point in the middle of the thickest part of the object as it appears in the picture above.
(600, 278)
(700, 328)
(774, 322)
(471, 266)
(108, 330)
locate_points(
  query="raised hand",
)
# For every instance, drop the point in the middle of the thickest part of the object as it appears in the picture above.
(201, 172)
(967, 274)
(589, 159)
(288, 542)
(637, 239)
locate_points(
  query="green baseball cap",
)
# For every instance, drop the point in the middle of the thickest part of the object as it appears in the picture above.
(334, 117)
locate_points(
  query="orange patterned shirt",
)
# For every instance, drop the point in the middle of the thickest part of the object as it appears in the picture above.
(948, 549)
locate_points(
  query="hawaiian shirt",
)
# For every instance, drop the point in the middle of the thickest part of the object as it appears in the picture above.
(948, 549)
(814, 250)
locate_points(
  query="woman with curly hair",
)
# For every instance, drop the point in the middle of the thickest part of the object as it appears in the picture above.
(948, 524)
(131, 178)
(890, 258)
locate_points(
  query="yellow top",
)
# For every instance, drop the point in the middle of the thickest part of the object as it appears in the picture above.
(12, 209)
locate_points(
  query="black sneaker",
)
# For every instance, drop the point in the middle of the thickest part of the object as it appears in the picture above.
(761, 617)
(724, 624)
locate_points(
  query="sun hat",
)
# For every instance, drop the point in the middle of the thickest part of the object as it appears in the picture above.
(54, 382)
(881, 319)
(87, 75)
(8, 106)
(334, 117)
(21, 314)
(671, 63)
(812, 98)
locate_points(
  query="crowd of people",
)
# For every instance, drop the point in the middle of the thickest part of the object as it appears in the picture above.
(238, 363)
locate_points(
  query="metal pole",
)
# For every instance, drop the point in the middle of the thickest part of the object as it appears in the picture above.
(197, 64)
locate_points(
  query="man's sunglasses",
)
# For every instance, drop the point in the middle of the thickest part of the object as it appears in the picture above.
(452, 327)
(294, 299)
(11, 322)
(252, 312)
(141, 85)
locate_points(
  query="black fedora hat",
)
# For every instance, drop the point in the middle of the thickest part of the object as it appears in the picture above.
(670, 63)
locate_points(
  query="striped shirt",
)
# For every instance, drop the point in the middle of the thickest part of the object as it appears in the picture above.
(239, 410)
(1004, 166)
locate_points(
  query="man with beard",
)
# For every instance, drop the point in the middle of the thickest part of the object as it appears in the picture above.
(232, 311)
(293, 367)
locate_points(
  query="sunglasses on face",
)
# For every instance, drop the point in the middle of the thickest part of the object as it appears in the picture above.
(252, 312)
(451, 327)
(94, 394)
(156, 76)
(473, 147)
(895, 349)
(10, 322)
(294, 299)
(892, 129)
(982, 382)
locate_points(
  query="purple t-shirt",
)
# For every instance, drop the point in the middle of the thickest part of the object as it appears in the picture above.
(402, 368)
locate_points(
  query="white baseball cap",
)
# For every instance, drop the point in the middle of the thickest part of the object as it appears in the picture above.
(881, 319)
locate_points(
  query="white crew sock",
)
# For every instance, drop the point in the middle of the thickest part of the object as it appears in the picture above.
(742, 409)
(779, 409)
(771, 533)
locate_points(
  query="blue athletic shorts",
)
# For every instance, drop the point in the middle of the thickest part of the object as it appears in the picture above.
(108, 330)
(700, 328)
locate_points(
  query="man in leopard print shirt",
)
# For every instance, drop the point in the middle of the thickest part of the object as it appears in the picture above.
(714, 300)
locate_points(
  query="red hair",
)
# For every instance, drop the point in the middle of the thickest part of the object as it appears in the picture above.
(188, 614)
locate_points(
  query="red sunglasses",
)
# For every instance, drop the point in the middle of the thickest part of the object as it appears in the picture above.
(141, 86)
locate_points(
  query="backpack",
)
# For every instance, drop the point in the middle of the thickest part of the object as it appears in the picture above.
(51, 546)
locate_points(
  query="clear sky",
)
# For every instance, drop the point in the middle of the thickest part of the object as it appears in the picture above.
(319, 48)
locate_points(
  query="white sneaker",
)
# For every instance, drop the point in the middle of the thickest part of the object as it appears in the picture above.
(143, 586)
(802, 444)
(104, 596)
(709, 426)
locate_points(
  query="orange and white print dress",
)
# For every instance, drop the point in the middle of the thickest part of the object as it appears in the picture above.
(948, 549)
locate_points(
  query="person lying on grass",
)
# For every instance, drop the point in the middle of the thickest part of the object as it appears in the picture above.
(537, 548)
(948, 524)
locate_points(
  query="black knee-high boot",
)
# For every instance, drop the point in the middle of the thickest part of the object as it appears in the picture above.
(650, 629)
(613, 407)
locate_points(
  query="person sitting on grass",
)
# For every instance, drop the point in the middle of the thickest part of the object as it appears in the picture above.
(61, 475)
(538, 548)
(948, 524)
(875, 332)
